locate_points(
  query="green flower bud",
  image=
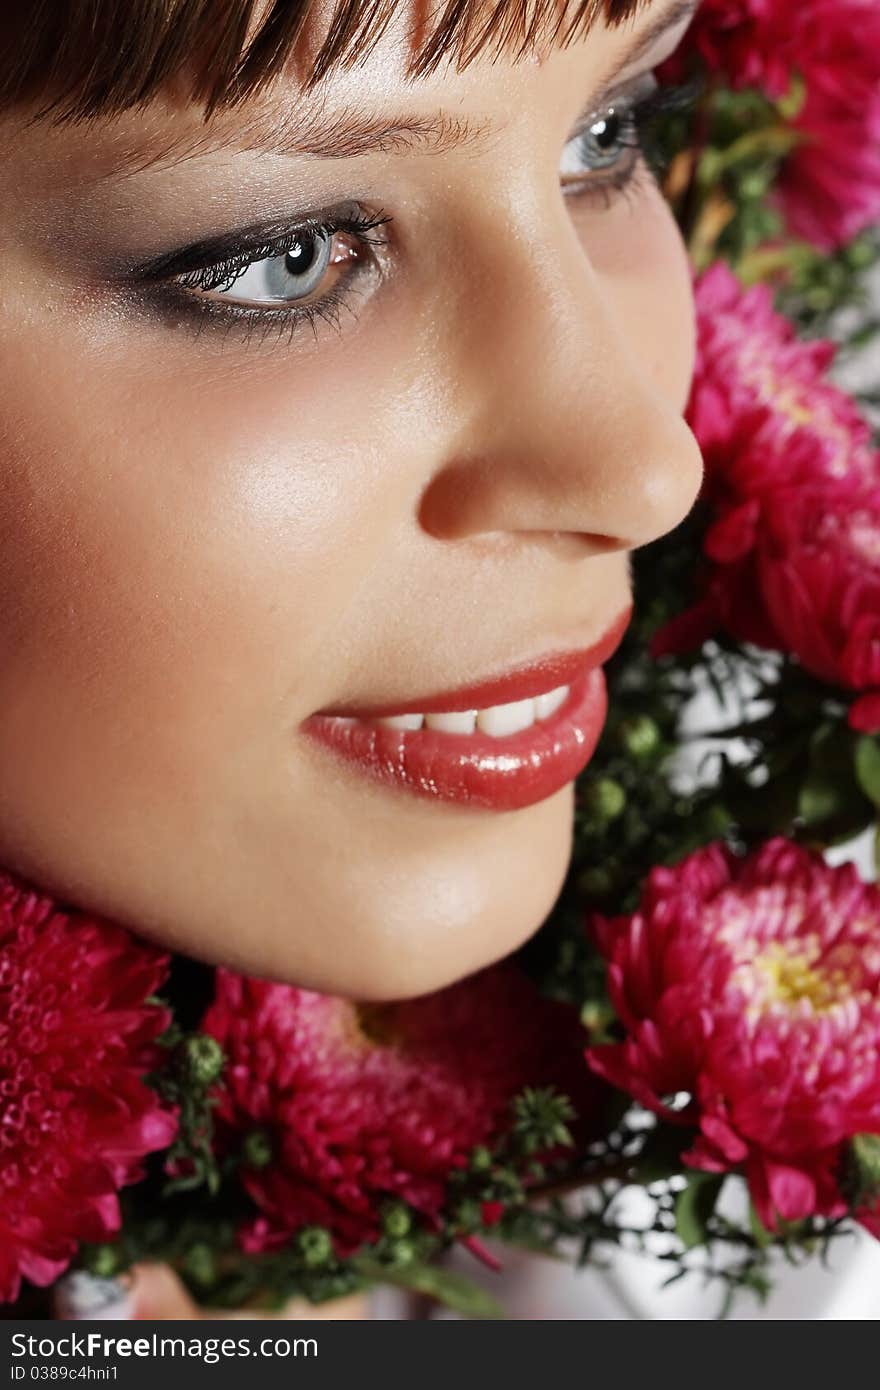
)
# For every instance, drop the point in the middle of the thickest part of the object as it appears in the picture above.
(102, 1260)
(402, 1252)
(481, 1159)
(639, 736)
(256, 1150)
(315, 1246)
(859, 255)
(753, 184)
(199, 1263)
(396, 1221)
(203, 1058)
(820, 299)
(467, 1215)
(604, 799)
(597, 1015)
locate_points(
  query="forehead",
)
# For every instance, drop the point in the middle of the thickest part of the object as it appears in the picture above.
(363, 109)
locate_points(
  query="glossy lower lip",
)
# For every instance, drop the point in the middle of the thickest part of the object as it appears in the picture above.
(499, 774)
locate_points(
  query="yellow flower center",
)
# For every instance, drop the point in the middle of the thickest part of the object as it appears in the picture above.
(790, 405)
(771, 389)
(792, 975)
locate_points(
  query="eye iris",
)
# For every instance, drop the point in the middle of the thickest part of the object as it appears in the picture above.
(606, 133)
(294, 274)
(301, 256)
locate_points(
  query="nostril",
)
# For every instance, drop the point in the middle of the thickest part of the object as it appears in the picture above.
(446, 506)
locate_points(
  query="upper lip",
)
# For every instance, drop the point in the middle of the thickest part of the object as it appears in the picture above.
(522, 682)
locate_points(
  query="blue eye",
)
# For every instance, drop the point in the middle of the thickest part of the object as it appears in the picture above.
(599, 146)
(616, 144)
(278, 270)
(285, 277)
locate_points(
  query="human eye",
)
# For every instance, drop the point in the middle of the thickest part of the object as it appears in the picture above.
(273, 275)
(616, 148)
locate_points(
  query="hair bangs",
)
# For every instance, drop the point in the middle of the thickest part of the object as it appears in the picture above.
(78, 59)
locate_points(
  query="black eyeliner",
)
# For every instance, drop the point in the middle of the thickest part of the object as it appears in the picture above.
(254, 240)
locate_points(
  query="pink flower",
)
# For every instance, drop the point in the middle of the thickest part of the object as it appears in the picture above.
(817, 557)
(749, 43)
(362, 1104)
(76, 1119)
(762, 405)
(829, 186)
(752, 987)
(793, 485)
(799, 572)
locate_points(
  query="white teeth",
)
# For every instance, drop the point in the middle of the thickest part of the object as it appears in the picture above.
(402, 721)
(497, 722)
(461, 722)
(548, 704)
(501, 720)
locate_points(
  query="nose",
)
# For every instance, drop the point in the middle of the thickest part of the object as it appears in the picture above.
(565, 430)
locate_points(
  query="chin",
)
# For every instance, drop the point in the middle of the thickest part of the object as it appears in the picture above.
(412, 899)
(424, 921)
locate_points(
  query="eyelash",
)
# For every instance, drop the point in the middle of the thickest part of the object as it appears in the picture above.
(640, 119)
(180, 274)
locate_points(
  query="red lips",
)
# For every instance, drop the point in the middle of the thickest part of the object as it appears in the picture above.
(500, 774)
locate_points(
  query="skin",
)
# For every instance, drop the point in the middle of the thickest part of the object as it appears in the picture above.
(205, 538)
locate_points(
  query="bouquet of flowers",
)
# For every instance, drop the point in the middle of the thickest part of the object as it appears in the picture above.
(700, 1016)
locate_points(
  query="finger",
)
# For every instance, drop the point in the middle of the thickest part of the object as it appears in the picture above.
(157, 1293)
(353, 1307)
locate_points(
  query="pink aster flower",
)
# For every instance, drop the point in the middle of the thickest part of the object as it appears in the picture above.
(829, 186)
(76, 1118)
(762, 405)
(752, 986)
(798, 571)
(817, 559)
(793, 484)
(363, 1104)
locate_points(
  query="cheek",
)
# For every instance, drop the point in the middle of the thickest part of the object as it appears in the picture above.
(170, 585)
(169, 576)
(637, 250)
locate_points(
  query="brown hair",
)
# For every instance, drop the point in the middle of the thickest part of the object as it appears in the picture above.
(90, 57)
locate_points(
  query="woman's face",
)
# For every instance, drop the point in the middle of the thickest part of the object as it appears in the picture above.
(218, 520)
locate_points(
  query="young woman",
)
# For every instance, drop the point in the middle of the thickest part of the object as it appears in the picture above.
(344, 353)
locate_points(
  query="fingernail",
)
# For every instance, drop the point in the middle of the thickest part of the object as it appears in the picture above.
(81, 1295)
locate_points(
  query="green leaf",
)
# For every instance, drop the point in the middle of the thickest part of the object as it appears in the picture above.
(865, 1158)
(694, 1206)
(831, 798)
(867, 763)
(444, 1285)
(819, 799)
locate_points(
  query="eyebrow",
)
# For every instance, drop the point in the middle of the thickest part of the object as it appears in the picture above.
(349, 133)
